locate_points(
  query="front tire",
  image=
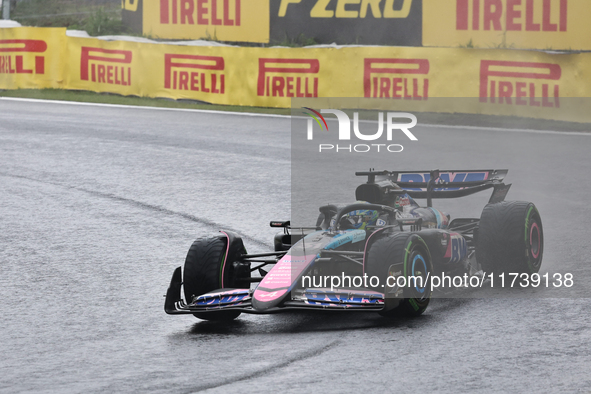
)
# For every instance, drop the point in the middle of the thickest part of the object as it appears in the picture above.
(204, 271)
(510, 238)
(411, 254)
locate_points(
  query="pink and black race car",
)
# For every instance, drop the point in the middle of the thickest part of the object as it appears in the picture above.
(378, 254)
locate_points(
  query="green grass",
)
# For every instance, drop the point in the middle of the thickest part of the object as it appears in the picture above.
(450, 119)
(95, 18)
(100, 23)
(469, 45)
(296, 42)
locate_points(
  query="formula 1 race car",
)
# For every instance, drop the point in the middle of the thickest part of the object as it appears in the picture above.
(377, 254)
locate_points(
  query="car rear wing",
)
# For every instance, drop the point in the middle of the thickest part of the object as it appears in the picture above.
(440, 183)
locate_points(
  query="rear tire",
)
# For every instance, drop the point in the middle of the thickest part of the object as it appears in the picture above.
(203, 273)
(510, 238)
(412, 254)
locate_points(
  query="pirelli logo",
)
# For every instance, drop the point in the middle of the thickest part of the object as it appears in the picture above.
(512, 15)
(12, 56)
(108, 66)
(396, 78)
(200, 12)
(520, 83)
(197, 73)
(288, 77)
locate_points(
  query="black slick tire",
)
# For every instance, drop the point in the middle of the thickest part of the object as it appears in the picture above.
(412, 258)
(510, 238)
(202, 273)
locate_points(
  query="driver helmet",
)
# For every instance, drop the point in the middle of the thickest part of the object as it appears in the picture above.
(362, 218)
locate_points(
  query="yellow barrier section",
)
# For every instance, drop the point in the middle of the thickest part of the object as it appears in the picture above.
(31, 57)
(223, 20)
(524, 83)
(527, 24)
(105, 66)
(211, 74)
(238, 76)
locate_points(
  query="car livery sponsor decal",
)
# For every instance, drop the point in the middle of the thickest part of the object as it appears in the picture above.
(442, 220)
(265, 296)
(402, 201)
(408, 215)
(456, 248)
(222, 298)
(443, 177)
(342, 298)
(352, 236)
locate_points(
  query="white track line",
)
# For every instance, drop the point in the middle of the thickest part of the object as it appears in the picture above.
(251, 114)
(206, 111)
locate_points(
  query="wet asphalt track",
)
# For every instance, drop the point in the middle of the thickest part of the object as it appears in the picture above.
(99, 205)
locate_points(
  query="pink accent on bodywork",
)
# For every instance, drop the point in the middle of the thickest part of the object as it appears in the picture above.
(287, 268)
(444, 219)
(365, 249)
(449, 242)
(265, 296)
(226, 256)
(531, 232)
(336, 290)
(281, 276)
(225, 293)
